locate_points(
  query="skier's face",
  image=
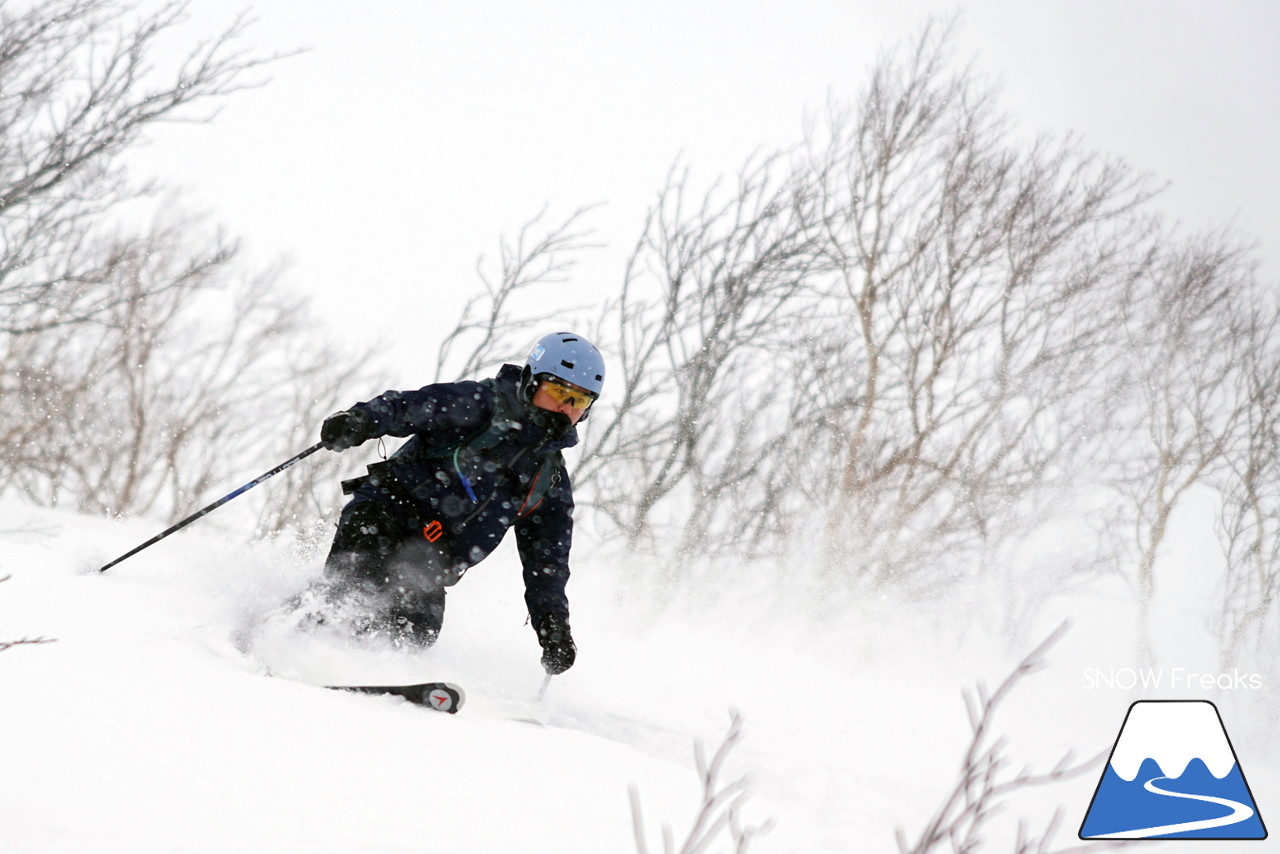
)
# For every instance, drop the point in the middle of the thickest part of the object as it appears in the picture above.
(563, 397)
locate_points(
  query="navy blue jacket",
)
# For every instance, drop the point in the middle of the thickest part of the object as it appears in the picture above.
(476, 494)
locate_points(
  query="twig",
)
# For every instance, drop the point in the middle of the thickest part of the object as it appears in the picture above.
(4, 645)
(984, 782)
(721, 803)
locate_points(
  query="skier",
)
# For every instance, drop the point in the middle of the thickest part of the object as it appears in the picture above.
(482, 457)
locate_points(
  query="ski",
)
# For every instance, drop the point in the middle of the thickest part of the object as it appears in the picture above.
(441, 696)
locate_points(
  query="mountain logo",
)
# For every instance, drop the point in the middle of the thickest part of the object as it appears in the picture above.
(1173, 774)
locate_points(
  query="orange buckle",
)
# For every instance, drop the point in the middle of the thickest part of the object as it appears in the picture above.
(433, 531)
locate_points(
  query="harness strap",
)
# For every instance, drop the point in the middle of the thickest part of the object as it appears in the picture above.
(541, 485)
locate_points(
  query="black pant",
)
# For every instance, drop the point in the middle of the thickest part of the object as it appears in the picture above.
(375, 551)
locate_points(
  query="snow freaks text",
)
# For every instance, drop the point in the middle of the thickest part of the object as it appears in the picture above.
(1170, 679)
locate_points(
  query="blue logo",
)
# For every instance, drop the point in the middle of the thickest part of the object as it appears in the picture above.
(1173, 774)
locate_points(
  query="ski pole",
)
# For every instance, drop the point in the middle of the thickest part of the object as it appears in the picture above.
(215, 505)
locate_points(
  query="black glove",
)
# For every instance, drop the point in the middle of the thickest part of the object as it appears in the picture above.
(558, 651)
(346, 429)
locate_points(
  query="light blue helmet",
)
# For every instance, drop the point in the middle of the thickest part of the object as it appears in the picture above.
(570, 357)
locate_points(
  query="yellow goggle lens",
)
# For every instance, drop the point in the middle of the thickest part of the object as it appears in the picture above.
(575, 397)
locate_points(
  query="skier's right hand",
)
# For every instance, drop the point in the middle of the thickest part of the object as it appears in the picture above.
(558, 649)
(347, 429)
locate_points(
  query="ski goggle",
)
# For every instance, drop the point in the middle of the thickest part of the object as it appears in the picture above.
(577, 398)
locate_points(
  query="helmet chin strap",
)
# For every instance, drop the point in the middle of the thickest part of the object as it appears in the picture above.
(527, 386)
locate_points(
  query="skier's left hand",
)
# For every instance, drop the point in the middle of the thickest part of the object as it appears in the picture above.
(558, 650)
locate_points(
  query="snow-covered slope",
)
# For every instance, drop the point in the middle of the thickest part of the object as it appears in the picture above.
(145, 726)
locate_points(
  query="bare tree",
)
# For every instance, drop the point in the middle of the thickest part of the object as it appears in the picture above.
(711, 294)
(141, 368)
(1188, 321)
(79, 89)
(1250, 518)
(161, 396)
(971, 281)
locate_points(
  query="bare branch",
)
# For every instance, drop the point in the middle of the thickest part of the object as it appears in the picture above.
(79, 91)
(535, 260)
(984, 780)
(721, 803)
(6, 645)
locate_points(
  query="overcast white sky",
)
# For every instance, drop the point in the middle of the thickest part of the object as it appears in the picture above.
(411, 135)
